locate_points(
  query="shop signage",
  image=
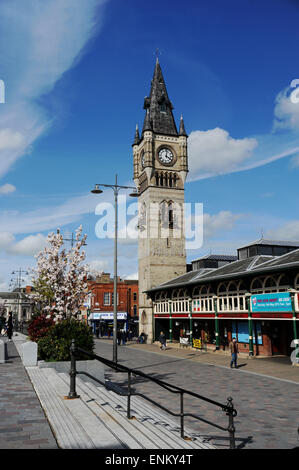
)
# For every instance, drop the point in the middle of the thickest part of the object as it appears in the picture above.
(108, 316)
(184, 341)
(274, 302)
(197, 343)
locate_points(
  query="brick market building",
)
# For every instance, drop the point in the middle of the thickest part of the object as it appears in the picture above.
(101, 305)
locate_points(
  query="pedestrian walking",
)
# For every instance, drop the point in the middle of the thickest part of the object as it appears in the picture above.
(9, 326)
(233, 347)
(119, 335)
(97, 331)
(162, 339)
(124, 337)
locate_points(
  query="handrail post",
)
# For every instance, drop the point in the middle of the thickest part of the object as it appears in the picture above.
(231, 428)
(73, 372)
(182, 415)
(129, 396)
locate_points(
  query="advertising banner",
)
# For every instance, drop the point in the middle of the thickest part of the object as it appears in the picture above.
(274, 302)
(108, 315)
(197, 343)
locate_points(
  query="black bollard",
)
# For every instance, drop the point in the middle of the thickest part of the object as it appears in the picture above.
(72, 394)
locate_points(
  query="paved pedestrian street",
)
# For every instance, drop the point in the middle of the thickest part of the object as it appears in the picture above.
(267, 407)
(23, 424)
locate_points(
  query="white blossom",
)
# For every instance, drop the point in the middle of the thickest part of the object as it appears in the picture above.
(59, 279)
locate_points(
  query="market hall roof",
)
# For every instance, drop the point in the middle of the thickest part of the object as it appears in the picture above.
(217, 258)
(256, 264)
(262, 241)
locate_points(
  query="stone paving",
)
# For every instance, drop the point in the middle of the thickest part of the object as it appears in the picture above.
(23, 424)
(267, 406)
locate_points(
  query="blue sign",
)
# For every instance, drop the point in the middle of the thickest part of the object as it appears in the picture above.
(274, 302)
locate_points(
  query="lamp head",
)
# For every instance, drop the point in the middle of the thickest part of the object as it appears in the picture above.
(96, 190)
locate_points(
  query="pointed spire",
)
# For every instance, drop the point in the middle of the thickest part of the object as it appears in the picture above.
(147, 126)
(182, 127)
(159, 106)
(137, 137)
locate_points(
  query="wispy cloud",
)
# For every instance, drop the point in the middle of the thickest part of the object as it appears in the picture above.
(39, 41)
(7, 188)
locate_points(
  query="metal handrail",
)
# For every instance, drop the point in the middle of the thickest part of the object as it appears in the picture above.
(231, 412)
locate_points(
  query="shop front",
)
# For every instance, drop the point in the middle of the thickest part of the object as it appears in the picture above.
(104, 320)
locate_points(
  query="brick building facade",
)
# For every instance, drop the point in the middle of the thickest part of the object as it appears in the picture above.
(102, 303)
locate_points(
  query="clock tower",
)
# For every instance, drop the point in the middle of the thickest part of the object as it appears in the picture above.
(160, 170)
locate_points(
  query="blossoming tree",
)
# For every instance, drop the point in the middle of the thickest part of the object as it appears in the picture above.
(59, 280)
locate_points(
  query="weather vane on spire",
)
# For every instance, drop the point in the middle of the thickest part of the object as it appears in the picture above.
(157, 53)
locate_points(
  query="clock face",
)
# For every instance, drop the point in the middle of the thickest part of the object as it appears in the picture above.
(165, 156)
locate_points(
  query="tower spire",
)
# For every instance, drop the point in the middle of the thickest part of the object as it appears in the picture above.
(159, 106)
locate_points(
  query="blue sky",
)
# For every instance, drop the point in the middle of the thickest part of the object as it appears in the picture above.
(75, 76)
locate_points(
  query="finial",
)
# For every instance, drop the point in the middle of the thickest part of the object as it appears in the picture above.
(182, 127)
(137, 137)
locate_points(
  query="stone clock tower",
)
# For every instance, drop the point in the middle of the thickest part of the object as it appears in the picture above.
(160, 170)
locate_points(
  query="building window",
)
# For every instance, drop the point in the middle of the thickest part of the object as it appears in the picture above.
(134, 296)
(135, 310)
(107, 298)
(112, 299)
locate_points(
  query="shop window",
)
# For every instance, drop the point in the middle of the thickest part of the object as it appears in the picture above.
(240, 331)
(107, 297)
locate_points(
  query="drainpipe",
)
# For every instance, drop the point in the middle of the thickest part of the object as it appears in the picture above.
(216, 325)
(191, 322)
(294, 324)
(170, 322)
(250, 329)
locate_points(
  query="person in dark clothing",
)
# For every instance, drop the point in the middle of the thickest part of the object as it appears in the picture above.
(124, 337)
(119, 335)
(9, 326)
(233, 347)
(97, 330)
(162, 339)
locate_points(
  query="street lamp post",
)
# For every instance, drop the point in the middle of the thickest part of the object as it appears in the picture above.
(18, 282)
(116, 188)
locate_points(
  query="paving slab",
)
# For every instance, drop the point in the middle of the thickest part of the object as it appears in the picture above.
(23, 423)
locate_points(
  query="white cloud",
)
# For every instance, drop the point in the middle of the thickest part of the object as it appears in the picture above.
(97, 265)
(7, 188)
(286, 109)
(215, 225)
(133, 276)
(215, 152)
(39, 41)
(6, 239)
(288, 231)
(10, 139)
(29, 246)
